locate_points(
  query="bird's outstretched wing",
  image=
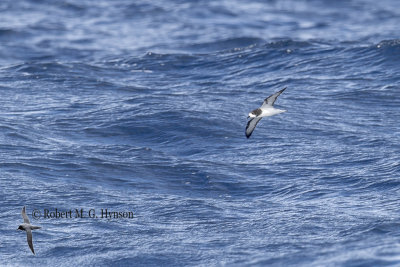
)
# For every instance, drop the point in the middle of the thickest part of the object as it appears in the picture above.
(251, 125)
(26, 219)
(269, 101)
(29, 239)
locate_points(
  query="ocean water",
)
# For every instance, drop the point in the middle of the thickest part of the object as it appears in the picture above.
(139, 107)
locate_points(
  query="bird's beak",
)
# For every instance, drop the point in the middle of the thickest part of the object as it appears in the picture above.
(248, 117)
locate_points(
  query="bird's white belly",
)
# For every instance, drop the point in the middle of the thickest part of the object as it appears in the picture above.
(270, 112)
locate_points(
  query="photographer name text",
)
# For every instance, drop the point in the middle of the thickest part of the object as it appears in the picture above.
(81, 214)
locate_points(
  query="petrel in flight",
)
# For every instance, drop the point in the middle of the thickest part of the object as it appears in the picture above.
(266, 109)
(28, 227)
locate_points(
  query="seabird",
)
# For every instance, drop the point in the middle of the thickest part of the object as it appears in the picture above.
(28, 227)
(266, 109)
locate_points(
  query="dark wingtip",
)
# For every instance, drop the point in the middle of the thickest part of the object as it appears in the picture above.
(248, 135)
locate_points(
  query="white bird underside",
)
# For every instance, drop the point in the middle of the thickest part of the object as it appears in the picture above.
(265, 110)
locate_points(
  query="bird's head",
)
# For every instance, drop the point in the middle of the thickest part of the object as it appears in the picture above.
(252, 115)
(20, 228)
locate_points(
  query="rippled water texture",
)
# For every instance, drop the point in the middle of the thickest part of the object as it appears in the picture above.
(141, 106)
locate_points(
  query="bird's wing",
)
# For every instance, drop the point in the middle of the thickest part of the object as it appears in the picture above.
(251, 125)
(29, 239)
(269, 101)
(26, 219)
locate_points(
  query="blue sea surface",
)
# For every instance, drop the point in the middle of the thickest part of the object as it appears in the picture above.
(141, 106)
